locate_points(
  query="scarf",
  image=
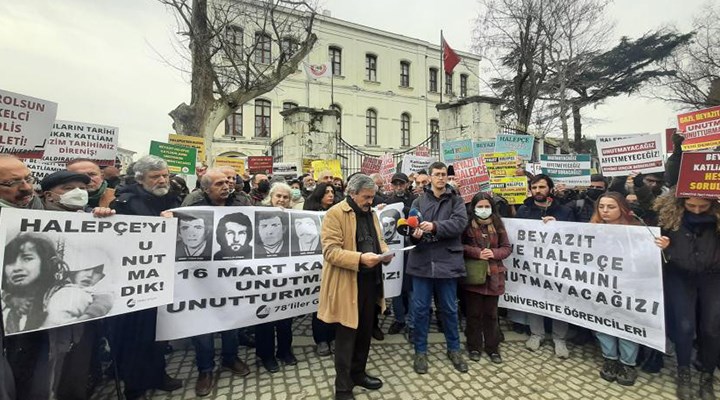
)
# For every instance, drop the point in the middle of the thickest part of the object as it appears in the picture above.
(94, 198)
(696, 222)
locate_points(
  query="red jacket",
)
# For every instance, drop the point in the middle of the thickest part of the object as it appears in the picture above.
(473, 242)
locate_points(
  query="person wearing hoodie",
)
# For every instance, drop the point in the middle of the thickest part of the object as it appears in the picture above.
(436, 263)
(540, 205)
(140, 359)
(692, 280)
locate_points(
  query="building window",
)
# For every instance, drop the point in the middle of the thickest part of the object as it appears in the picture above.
(405, 129)
(288, 46)
(335, 55)
(234, 123)
(262, 118)
(263, 48)
(234, 39)
(433, 80)
(288, 105)
(339, 120)
(435, 134)
(371, 67)
(404, 74)
(371, 126)
(448, 83)
(463, 85)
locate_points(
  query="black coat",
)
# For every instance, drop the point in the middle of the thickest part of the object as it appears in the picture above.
(694, 250)
(134, 200)
(530, 210)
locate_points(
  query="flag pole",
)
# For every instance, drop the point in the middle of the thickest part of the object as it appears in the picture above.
(332, 89)
(442, 69)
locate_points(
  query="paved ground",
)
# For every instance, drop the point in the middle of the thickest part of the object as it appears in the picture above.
(523, 375)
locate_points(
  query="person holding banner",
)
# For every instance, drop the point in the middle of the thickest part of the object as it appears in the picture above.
(273, 241)
(352, 283)
(540, 205)
(620, 354)
(16, 184)
(485, 239)
(692, 284)
(140, 359)
(99, 194)
(321, 199)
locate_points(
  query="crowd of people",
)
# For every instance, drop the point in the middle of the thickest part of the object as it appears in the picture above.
(67, 362)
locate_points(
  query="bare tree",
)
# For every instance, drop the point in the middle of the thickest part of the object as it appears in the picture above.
(238, 50)
(696, 66)
(510, 31)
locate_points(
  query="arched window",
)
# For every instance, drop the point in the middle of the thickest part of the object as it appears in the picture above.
(435, 134)
(263, 49)
(405, 129)
(234, 123)
(337, 108)
(371, 126)
(262, 118)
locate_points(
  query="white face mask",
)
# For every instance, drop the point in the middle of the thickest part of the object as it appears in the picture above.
(76, 198)
(483, 213)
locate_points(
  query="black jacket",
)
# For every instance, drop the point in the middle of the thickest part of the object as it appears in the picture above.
(134, 200)
(530, 210)
(694, 250)
(407, 200)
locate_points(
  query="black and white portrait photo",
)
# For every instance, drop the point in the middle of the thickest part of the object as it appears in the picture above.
(305, 233)
(271, 238)
(388, 221)
(46, 283)
(194, 235)
(234, 234)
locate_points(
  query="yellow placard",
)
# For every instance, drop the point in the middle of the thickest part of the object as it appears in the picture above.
(512, 188)
(190, 141)
(501, 164)
(237, 163)
(306, 165)
(326, 165)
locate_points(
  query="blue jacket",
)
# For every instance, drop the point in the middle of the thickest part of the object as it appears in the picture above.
(530, 210)
(440, 254)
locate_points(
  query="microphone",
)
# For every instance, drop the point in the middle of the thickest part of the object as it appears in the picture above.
(414, 212)
(413, 222)
(403, 228)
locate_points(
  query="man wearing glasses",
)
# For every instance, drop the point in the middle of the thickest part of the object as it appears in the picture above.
(436, 263)
(16, 184)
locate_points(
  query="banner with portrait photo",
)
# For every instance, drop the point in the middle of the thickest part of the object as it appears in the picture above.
(62, 268)
(393, 272)
(607, 278)
(241, 266)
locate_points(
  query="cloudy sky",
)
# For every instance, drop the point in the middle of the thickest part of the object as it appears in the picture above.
(102, 60)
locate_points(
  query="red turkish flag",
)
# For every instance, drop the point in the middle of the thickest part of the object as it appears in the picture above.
(450, 58)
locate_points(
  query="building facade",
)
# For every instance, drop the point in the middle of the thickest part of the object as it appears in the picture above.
(386, 87)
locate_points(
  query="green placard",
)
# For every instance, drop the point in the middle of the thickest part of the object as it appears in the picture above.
(180, 159)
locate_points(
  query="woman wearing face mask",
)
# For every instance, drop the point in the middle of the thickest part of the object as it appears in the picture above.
(296, 192)
(485, 238)
(620, 354)
(321, 199)
(692, 283)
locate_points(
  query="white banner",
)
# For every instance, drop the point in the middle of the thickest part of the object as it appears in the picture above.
(241, 266)
(41, 169)
(412, 163)
(607, 278)
(640, 154)
(61, 268)
(70, 140)
(25, 124)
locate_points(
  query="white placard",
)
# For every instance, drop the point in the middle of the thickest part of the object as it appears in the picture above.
(639, 154)
(25, 124)
(70, 140)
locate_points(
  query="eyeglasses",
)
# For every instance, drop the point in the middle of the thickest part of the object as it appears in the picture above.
(18, 182)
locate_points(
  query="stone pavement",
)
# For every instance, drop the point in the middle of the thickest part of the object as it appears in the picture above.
(523, 375)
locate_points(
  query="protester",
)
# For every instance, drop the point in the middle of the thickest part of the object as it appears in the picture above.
(422, 180)
(401, 304)
(351, 282)
(297, 199)
(140, 358)
(271, 236)
(436, 263)
(308, 185)
(16, 184)
(584, 207)
(111, 175)
(620, 354)
(260, 188)
(216, 192)
(99, 193)
(321, 199)
(485, 238)
(179, 188)
(339, 185)
(541, 206)
(692, 283)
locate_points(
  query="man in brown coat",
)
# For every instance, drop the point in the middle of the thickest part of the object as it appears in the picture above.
(353, 248)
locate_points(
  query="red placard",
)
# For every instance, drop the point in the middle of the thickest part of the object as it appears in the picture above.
(370, 165)
(260, 164)
(699, 175)
(669, 145)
